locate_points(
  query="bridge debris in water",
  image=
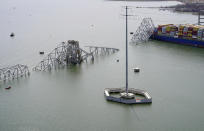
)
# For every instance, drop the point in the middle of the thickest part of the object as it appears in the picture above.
(101, 50)
(13, 72)
(144, 31)
(70, 53)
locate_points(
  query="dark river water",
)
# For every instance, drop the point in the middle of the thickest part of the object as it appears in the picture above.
(71, 98)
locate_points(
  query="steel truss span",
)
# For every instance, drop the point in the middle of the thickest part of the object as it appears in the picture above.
(13, 72)
(144, 31)
(68, 53)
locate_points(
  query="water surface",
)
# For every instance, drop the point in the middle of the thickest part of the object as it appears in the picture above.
(72, 98)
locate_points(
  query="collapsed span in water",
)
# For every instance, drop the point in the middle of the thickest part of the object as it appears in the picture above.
(13, 72)
(68, 53)
(144, 31)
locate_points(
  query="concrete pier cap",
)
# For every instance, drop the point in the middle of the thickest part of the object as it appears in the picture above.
(127, 98)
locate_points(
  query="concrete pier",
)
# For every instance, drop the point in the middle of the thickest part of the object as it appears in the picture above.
(130, 100)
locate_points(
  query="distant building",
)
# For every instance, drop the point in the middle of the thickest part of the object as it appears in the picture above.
(192, 1)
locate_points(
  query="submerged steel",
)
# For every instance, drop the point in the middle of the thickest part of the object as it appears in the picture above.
(144, 31)
(69, 53)
(66, 53)
(13, 72)
(95, 50)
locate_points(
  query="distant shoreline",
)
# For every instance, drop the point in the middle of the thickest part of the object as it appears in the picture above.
(187, 7)
(143, 0)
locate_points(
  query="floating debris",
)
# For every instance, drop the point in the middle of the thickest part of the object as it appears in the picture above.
(136, 69)
(12, 34)
(41, 52)
(7, 88)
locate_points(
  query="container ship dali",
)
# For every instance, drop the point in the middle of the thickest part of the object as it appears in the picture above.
(185, 34)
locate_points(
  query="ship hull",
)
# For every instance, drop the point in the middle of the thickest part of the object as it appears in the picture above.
(182, 41)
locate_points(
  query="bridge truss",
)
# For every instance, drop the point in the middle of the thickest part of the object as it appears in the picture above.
(13, 72)
(70, 53)
(144, 31)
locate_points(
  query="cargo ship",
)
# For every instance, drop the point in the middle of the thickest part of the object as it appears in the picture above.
(185, 34)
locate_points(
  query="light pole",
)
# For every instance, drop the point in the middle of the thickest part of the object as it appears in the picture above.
(126, 16)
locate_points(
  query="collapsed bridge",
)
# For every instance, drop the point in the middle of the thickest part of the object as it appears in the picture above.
(68, 53)
(13, 72)
(144, 31)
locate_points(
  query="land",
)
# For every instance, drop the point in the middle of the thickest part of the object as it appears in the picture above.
(185, 6)
(189, 7)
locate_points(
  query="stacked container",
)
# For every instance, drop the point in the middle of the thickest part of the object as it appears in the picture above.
(159, 29)
(173, 31)
(164, 30)
(202, 36)
(180, 31)
(200, 33)
(190, 31)
(195, 32)
(186, 31)
(168, 29)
